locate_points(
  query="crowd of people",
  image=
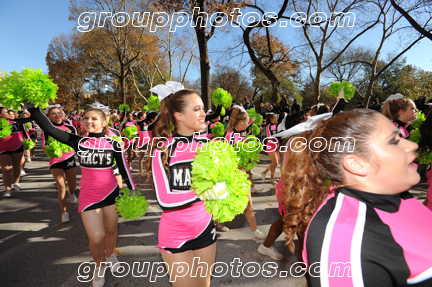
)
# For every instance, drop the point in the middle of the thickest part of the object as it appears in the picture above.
(351, 206)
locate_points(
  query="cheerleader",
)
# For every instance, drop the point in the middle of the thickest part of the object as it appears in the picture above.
(63, 167)
(144, 135)
(129, 145)
(237, 129)
(99, 187)
(32, 132)
(368, 223)
(186, 230)
(271, 147)
(11, 152)
(400, 111)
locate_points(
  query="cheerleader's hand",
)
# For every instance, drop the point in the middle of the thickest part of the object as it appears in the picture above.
(28, 105)
(341, 94)
(219, 191)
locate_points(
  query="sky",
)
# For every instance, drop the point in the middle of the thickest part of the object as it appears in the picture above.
(27, 27)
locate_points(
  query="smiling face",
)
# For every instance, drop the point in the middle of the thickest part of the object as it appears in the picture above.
(193, 116)
(4, 114)
(55, 115)
(93, 122)
(392, 167)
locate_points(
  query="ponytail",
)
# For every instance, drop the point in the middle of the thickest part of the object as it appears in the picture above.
(392, 108)
(236, 116)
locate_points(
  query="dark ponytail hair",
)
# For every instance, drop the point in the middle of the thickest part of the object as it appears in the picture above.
(303, 175)
(173, 103)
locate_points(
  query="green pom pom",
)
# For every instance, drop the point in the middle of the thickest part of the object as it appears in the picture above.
(28, 125)
(222, 97)
(119, 139)
(222, 111)
(216, 162)
(124, 108)
(415, 136)
(55, 149)
(28, 144)
(133, 207)
(255, 130)
(145, 109)
(425, 158)
(258, 118)
(218, 130)
(347, 87)
(153, 103)
(172, 127)
(131, 132)
(5, 128)
(110, 123)
(80, 110)
(31, 85)
(249, 152)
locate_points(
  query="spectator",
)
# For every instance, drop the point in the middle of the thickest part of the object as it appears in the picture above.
(295, 107)
(375, 105)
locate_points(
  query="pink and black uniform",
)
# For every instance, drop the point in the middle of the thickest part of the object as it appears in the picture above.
(358, 238)
(12, 143)
(143, 133)
(209, 120)
(185, 223)
(76, 121)
(271, 142)
(404, 128)
(96, 154)
(67, 160)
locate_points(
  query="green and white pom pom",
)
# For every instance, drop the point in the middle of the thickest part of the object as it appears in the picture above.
(124, 108)
(222, 98)
(130, 132)
(215, 162)
(28, 144)
(347, 87)
(55, 149)
(30, 85)
(249, 152)
(218, 130)
(253, 114)
(145, 109)
(131, 207)
(5, 128)
(153, 103)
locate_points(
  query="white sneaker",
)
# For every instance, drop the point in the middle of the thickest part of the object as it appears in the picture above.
(256, 190)
(270, 252)
(73, 198)
(113, 260)
(28, 159)
(17, 187)
(99, 277)
(33, 156)
(22, 172)
(65, 217)
(258, 236)
(263, 176)
(7, 193)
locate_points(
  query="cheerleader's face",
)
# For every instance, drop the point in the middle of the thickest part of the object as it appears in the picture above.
(409, 114)
(4, 114)
(392, 167)
(93, 122)
(274, 119)
(193, 117)
(56, 115)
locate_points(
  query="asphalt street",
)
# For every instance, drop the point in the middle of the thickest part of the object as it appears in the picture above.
(37, 250)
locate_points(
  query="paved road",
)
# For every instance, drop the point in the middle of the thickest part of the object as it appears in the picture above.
(37, 250)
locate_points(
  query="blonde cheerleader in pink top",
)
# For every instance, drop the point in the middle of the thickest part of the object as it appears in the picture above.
(186, 230)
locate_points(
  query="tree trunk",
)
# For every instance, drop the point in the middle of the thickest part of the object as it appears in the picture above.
(316, 89)
(204, 67)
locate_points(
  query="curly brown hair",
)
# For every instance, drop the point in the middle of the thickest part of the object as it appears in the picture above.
(306, 170)
(236, 116)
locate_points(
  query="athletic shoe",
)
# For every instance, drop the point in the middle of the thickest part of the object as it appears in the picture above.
(22, 172)
(113, 260)
(263, 176)
(28, 159)
(65, 217)
(99, 277)
(275, 182)
(221, 227)
(7, 193)
(270, 252)
(258, 236)
(256, 190)
(33, 156)
(73, 198)
(17, 187)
